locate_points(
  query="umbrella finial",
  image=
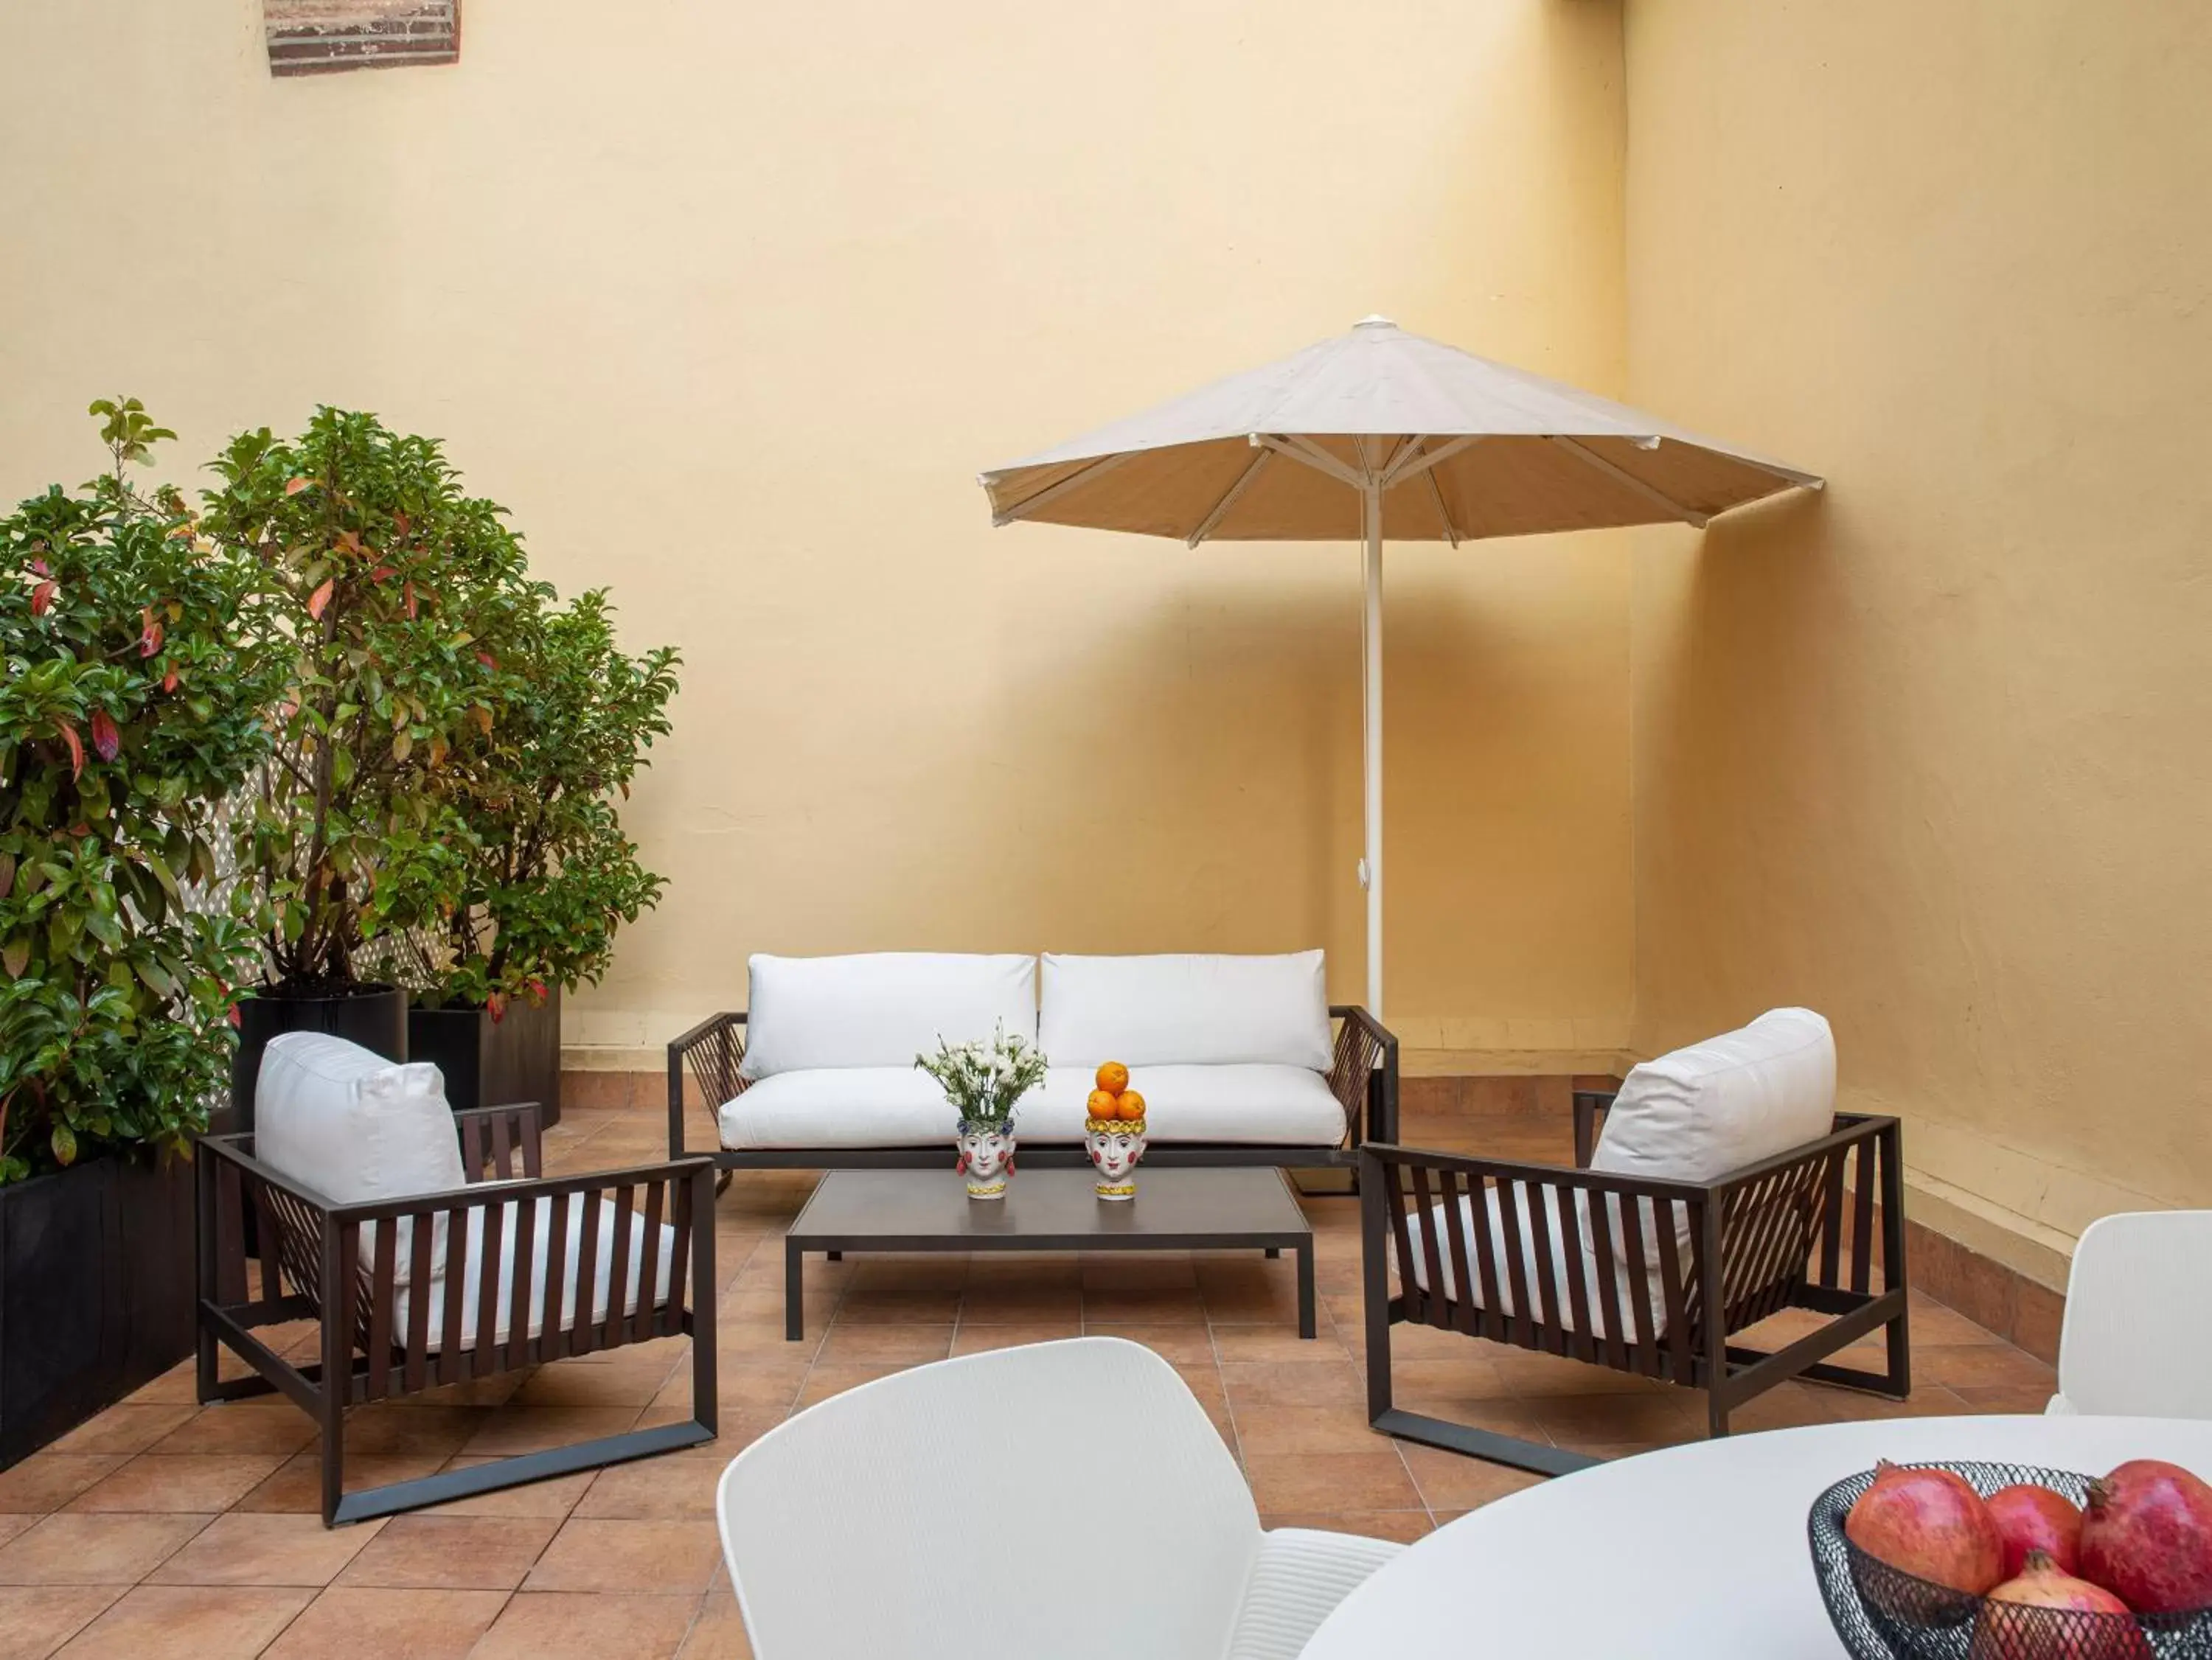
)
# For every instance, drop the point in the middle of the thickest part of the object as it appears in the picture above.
(1375, 320)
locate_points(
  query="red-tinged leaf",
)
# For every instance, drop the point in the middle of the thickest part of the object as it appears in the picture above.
(293, 487)
(106, 739)
(400, 522)
(322, 597)
(497, 1005)
(75, 746)
(382, 573)
(169, 680)
(538, 990)
(42, 597)
(149, 636)
(233, 1016)
(41, 568)
(410, 591)
(488, 660)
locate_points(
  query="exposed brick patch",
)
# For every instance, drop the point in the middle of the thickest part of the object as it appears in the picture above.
(315, 37)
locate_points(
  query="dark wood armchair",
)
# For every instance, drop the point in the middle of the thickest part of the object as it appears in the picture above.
(1640, 1275)
(470, 1303)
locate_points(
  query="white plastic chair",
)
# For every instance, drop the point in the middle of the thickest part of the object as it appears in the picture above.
(1060, 1501)
(2137, 1338)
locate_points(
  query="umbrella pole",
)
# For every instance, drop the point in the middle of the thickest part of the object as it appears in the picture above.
(1370, 642)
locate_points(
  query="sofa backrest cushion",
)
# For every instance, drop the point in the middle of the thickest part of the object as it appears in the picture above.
(1698, 1113)
(351, 1124)
(879, 1008)
(1185, 1010)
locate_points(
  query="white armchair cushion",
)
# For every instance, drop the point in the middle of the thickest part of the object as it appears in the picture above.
(879, 1008)
(655, 1254)
(1603, 1286)
(1698, 1113)
(356, 1127)
(1185, 1010)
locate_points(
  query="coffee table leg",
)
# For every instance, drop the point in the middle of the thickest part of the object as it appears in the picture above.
(1273, 1251)
(1305, 1291)
(794, 1293)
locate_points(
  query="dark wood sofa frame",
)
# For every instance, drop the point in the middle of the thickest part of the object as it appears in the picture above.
(1799, 1230)
(313, 1266)
(1363, 1076)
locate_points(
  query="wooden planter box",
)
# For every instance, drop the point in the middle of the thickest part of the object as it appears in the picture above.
(373, 1016)
(95, 1292)
(488, 1062)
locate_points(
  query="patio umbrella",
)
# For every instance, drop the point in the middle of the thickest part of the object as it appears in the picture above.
(1384, 435)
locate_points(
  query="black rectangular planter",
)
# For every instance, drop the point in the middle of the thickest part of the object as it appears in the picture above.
(493, 1062)
(95, 1292)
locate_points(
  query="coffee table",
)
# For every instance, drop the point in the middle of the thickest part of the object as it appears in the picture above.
(1175, 1209)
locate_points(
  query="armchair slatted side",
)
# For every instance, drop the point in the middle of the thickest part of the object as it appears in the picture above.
(1638, 1276)
(394, 1325)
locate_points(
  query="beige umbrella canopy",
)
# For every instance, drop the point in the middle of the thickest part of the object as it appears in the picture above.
(1382, 434)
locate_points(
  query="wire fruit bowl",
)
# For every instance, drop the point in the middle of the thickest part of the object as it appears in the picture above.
(1882, 1612)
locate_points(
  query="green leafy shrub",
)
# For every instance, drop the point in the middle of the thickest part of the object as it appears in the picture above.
(130, 709)
(396, 596)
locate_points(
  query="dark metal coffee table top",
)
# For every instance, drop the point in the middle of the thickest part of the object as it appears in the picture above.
(1050, 1210)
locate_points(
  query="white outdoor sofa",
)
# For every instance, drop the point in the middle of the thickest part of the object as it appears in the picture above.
(1242, 1059)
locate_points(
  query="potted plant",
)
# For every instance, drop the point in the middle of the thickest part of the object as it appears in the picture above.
(130, 710)
(372, 557)
(548, 876)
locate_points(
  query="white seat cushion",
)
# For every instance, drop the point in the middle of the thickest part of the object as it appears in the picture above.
(901, 1106)
(661, 1255)
(1586, 1266)
(355, 1128)
(1185, 1010)
(879, 1008)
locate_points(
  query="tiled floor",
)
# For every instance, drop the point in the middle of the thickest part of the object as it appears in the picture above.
(161, 1529)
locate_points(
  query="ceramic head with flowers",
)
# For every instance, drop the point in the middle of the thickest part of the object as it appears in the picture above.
(1114, 1132)
(983, 1083)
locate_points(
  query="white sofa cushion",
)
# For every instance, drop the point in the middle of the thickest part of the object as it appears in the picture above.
(356, 1127)
(879, 1008)
(1699, 1113)
(900, 1106)
(1185, 1010)
(1585, 1267)
(661, 1255)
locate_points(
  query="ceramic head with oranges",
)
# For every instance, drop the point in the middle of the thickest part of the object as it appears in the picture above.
(1114, 1132)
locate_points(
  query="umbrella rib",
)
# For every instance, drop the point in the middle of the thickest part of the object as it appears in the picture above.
(1052, 492)
(1306, 451)
(1629, 480)
(1411, 466)
(1244, 480)
(1444, 512)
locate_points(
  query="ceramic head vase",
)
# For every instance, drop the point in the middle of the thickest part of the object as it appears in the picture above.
(1114, 1145)
(986, 1156)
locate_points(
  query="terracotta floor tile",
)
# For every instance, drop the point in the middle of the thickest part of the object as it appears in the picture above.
(763, 1386)
(12, 1524)
(246, 1549)
(534, 1429)
(1262, 1429)
(1403, 1526)
(1151, 1305)
(1274, 1343)
(1981, 1364)
(1014, 1305)
(179, 1383)
(1182, 1345)
(188, 1622)
(615, 1382)
(199, 1481)
(1330, 1383)
(412, 1426)
(886, 1345)
(1449, 1482)
(36, 1620)
(1306, 1483)
(1579, 1421)
(83, 1550)
(825, 1381)
(630, 1557)
(276, 1426)
(296, 1486)
(675, 1486)
(47, 1481)
(868, 1307)
(126, 1428)
(718, 1632)
(557, 1626)
(911, 1271)
(975, 1339)
(2031, 1398)
(356, 1622)
(551, 1500)
(452, 1553)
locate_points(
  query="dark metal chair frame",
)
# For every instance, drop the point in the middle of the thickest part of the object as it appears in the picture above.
(1363, 1075)
(314, 1266)
(1798, 1230)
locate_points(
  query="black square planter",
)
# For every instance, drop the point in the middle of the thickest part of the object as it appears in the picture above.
(96, 1292)
(493, 1062)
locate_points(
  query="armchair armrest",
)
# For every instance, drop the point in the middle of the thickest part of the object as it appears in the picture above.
(1591, 1106)
(502, 1134)
(712, 1051)
(1362, 1074)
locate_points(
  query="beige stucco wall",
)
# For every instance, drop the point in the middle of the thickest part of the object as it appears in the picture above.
(730, 303)
(1931, 753)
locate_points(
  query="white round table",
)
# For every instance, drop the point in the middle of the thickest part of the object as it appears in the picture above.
(1697, 1550)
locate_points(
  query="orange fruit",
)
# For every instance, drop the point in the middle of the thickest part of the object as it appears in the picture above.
(1101, 1104)
(1132, 1105)
(1112, 1077)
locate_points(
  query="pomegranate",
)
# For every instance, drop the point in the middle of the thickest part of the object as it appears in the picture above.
(2012, 1626)
(1931, 1525)
(2146, 1534)
(2030, 1517)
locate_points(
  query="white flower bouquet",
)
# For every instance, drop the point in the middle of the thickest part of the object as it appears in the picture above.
(984, 1082)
